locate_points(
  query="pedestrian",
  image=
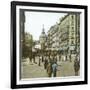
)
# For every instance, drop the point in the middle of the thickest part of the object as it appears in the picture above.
(55, 59)
(34, 59)
(49, 69)
(59, 57)
(39, 64)
(45, 63)
(30, 58)
(51, 60)
(76, 65)
(42, 58)
(54, 69)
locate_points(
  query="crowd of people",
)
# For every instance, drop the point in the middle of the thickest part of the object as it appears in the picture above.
(50, 65)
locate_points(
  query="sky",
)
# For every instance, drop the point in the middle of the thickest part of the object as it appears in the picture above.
(35, 21)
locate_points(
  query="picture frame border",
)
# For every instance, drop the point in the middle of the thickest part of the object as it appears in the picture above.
(13, 44)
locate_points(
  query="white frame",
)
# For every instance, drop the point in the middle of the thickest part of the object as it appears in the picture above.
(58, 79)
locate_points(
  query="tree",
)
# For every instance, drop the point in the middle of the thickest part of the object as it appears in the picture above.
(27, 45)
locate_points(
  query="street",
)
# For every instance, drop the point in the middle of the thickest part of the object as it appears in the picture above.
(33, 70)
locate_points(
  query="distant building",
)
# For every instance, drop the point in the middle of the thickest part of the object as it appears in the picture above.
(43, 38)
(37, 44)
(52, 39)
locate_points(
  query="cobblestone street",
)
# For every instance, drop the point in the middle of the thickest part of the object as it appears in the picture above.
(32, 70)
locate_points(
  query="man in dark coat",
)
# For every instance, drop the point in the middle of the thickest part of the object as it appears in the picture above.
(76, 65)
(54, 69)
(49, 69)
(45, 63)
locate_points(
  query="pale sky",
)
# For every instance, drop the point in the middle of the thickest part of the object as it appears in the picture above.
(35, 20)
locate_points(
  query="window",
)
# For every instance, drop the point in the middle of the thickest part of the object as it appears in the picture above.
(72, 34)
(72, 20)
(72, 16)
(72, 42)
(72, 29)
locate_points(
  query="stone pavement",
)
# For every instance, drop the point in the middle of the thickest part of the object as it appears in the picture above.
(32, 70)
(65, 69)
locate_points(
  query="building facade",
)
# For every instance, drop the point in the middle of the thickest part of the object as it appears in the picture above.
(53, 39)
(22, 32)
(69, 29)
(65, 36)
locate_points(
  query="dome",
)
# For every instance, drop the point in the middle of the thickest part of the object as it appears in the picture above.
(43, 35)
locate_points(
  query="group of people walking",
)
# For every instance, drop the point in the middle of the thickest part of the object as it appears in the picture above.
(51, 66)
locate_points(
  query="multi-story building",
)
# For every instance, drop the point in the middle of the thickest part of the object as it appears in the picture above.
(69, 29)
(22, 25)
(65, 35)
(22, 32)
(52, 39)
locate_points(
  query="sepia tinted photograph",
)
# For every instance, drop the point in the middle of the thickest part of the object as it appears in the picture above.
(50, 44)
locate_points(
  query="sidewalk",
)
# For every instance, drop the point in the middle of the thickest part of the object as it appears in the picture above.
(66, 69)
(32, 70)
